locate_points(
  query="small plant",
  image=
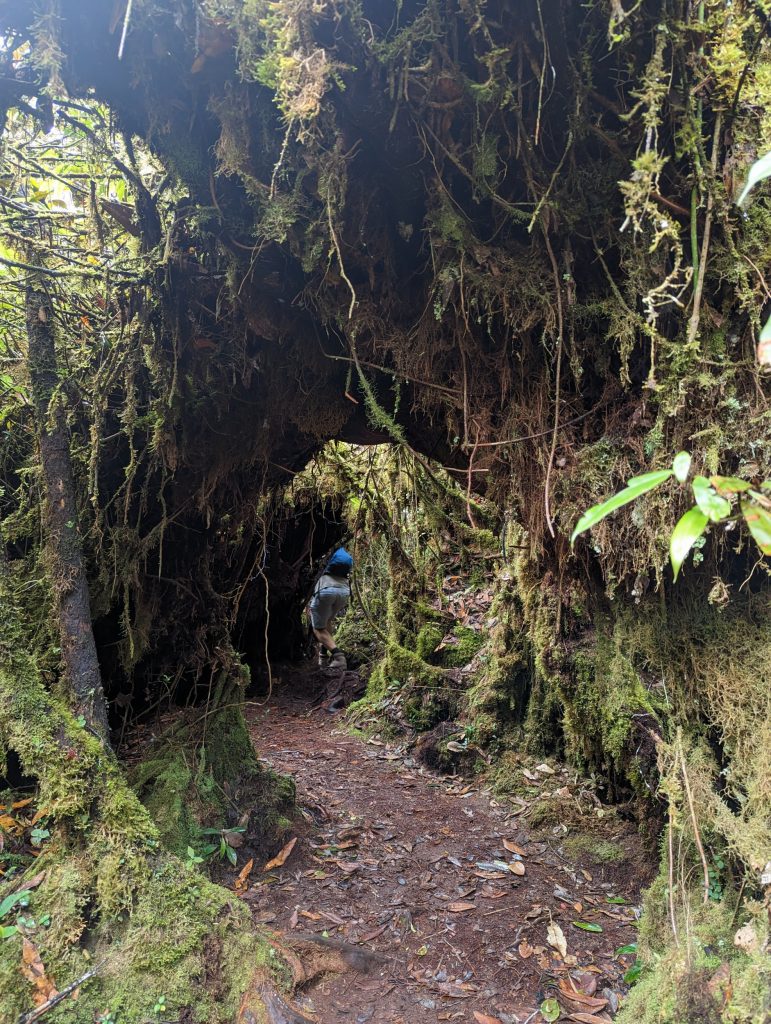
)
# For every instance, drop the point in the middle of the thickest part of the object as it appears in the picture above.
(715, 871)
(226, 848)
(192, 859)
(160, 1005)
(714, 503)
(16, 899)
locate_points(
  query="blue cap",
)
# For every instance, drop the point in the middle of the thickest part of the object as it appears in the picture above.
(340, 561)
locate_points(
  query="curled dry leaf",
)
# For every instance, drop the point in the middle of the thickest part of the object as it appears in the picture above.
(525, 950)
(243, 874)
(33, 970)
(460, 907)
(517, 867)
(513, 848)
(281, 856)
(484, 1018)
(556, 938)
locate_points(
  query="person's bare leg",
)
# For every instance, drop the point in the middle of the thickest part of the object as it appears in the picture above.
(325, 638)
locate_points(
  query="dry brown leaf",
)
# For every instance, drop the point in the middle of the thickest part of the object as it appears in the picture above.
(556, 938)
(570, 992)
(33, 970)
(293, 919)
(243, 874)
(460, 907)
(484, 1018)
(517, 867)
(369, 936)
(587, 1018)
(530, 775)
(513, 848)
(22, 803)
(525, 950)
(281, 856)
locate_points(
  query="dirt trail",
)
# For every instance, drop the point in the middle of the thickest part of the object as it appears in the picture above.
(387, 872)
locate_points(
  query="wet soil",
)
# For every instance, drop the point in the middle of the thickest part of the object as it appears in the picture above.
(436, 898)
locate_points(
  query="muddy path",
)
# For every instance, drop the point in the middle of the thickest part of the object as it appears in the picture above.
(436, 899)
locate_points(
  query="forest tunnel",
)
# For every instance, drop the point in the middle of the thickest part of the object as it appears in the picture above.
(440, 275)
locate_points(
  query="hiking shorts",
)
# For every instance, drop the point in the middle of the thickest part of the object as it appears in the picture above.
(326, 604)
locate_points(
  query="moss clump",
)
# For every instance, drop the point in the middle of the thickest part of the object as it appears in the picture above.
(701, 974)
(593, 848)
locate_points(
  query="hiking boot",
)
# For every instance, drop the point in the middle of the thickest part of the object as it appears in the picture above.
(337, 662)
(323, 658)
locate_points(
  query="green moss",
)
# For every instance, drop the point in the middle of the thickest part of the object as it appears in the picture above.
(428, 639)
(601, 851)
(469, 642)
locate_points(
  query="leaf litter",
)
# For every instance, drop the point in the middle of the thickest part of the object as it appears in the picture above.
(443, 881)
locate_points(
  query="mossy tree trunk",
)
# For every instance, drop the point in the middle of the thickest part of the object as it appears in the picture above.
(64, 543)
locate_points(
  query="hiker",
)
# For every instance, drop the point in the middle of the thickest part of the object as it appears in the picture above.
(330, 599)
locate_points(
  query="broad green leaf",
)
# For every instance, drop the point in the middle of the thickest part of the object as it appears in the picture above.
(653, 478)
(760, 170)
(587, 926)
(7, 931)
(685, 534)
(633, 973)
(681, 466)
(729, 484)
(550, 1010)
(709, 501)
(637, 486)
(631, 948)
(616, 899)
(758, 521)
(10, 901)
(232, 856)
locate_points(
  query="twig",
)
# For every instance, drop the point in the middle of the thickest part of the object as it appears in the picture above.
(671, 892)
(694, 822)
(698, 291)
(124, 33)
(552, 450)
(37, 1013)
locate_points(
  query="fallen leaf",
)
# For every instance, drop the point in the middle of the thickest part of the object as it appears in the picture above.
(587, 926)
(545, 769)
(460, 907)
(310, 915)
(293, 919)
(747, 939)
(530, 775)
(550, 1010)
(243, 874)
(556, 938)
(369, 936)
(483, 1018)
(517, 867)
(570, 992)
(33, 970)
(513, 848)
(281, 856)
(719, 985)
(22, 803)
(525, 950)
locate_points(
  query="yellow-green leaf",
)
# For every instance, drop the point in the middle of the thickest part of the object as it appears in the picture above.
(636, 486)
(685, 534)
(758, 522)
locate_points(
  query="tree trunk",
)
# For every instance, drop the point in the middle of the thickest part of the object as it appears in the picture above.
(66, 552)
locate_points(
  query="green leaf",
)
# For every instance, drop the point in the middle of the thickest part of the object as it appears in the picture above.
(730, 484)
(760, 170)
(681, 466)
(758, 522)
(616, 899)
(10, 901)
(636, 486)
(709, 501)
(587, 926)
(633, 973)
(550, 1010)
(623, 950)
(656, 476)
(7, 931)
(232, 857)
(685, 534)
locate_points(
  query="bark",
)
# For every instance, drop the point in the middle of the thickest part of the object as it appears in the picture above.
(66, 551)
